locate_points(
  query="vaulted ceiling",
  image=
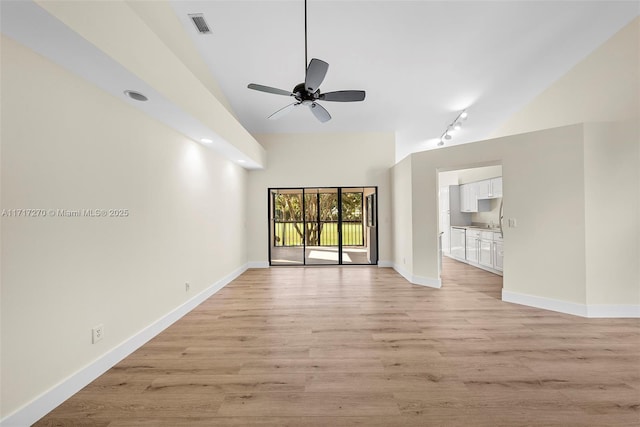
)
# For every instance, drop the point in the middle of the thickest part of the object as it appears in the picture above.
(420, 62)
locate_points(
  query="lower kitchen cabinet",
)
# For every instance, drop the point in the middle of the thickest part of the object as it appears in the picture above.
(473, 238)
(486, 253)
(498, 255)
(458, 243)
(478, 247)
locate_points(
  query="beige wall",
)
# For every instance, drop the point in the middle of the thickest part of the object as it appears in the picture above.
(554, 185)
(402, 230)
(542, 174)
(68, 145)
(612, 177)
(161, 18)
(321, 160)
(478, 174)
(141, 51)
(603, 87)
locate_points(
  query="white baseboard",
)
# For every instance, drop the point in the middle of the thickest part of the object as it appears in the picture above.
(50, 399)
(576, 309)
(418, 280)
(258, 264)
(385, 264)
(613, 310)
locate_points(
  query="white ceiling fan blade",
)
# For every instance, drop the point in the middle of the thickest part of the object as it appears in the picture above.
(283, 111)
(320, 112)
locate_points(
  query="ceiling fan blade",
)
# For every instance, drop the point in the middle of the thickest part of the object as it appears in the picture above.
(269, 89)
(283, 111)
(316, 71)
(320, 113)
(343, 96)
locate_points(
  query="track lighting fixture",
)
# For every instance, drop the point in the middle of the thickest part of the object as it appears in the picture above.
(455, 125)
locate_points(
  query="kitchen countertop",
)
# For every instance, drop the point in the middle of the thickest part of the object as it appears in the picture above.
(477, 227)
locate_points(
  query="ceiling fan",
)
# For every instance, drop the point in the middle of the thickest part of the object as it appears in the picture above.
(308, 92)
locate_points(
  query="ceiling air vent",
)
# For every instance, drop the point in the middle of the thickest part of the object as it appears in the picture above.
(200, 23)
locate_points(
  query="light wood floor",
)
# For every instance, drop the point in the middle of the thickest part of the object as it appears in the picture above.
(360, 346)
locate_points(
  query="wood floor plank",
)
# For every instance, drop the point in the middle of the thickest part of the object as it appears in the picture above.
(309, 404)
(362, 347)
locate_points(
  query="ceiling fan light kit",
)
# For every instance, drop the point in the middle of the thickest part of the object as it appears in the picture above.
(308, 92)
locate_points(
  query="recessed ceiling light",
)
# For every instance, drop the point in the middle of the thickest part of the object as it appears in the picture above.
(135, 95)
(206, 140)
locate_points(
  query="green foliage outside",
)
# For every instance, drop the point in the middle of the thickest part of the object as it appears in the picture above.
(287, 235)
(310, 225)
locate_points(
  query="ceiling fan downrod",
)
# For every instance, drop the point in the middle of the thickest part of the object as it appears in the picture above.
(306, 62)
(308, 92)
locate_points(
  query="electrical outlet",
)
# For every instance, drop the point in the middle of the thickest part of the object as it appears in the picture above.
(513, 223)
(187, 286)
(97, 333)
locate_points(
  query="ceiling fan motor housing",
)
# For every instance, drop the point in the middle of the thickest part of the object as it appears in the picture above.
(301, 94)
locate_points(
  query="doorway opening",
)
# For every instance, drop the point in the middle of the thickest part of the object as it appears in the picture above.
(470, 224)
(323, 226)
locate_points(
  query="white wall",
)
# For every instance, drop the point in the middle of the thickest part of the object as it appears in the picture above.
(321, 160)
(68, 145)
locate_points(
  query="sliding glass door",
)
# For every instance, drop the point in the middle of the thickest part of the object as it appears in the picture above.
(322, 236)
(322, 226)
(286, 226)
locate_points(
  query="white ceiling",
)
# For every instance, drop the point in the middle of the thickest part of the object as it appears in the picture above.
(420, 62)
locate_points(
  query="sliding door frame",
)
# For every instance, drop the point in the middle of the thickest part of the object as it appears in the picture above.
(271, 191)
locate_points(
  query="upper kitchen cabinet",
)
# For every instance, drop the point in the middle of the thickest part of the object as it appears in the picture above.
(496, 187)
(484, 189)
(469, 197)
(471, 200)
(490, 188)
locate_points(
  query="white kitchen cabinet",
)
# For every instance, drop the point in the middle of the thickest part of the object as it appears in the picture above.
(498, 255)
(473, 239)
(458, 242)
(478, 247)
(472, 249)
(485, 257)
(484, 189)
(469, 197)
(489, 188)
